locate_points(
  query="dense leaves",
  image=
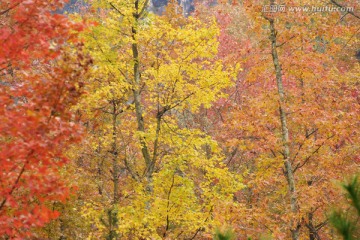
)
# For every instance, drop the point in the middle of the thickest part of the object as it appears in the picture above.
(39, 82)
(234, 117)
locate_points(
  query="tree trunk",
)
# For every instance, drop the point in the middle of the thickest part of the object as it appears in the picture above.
(295, 225)
(115, 176)
(137, 95)
(114, 152)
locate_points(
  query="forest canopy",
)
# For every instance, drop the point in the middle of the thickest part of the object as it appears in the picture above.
(151, 119)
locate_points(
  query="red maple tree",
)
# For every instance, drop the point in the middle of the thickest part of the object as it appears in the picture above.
(39, 82)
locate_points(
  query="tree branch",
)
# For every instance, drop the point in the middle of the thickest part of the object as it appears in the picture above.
(17, 179)
(347, 11)
(116, 9)
(10, 8)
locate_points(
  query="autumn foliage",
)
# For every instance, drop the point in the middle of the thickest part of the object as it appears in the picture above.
(39, 82)
(229, 120)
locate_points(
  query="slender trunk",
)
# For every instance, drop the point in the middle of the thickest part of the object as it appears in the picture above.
(137, 99)
(62, 226)
(156, 143)
(137, 95)
(115, 175)
(114, 152)
(312, 231)
(295, 226)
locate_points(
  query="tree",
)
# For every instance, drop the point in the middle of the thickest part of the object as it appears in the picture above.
(249, 126)
(39, 84)
(157, 177)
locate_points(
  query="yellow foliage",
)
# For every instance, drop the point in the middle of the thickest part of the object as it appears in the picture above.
(179, 72)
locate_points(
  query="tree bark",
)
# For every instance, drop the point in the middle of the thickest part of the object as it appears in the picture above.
(114, 152)
(137, 95)
(295, 225)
